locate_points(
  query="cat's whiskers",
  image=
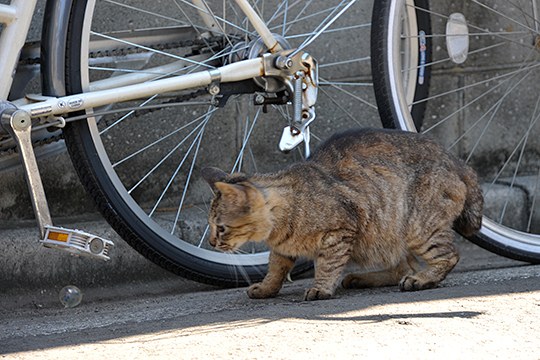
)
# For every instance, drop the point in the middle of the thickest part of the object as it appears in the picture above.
(239, 269)
(240, 251)
(244, 252)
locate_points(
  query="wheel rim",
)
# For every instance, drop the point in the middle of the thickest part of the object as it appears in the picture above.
(345, 87)
(469, 121)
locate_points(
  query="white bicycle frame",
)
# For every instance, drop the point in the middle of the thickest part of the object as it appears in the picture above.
(16, 18)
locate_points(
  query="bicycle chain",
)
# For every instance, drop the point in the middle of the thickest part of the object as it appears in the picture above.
(128, 50)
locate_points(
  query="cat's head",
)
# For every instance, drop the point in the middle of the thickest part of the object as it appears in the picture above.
(238, 212)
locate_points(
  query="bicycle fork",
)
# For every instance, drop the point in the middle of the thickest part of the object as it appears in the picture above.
(19, 125)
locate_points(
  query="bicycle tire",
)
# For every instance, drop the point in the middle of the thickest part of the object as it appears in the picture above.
(451, 116)
(379, 63)
(93, 154)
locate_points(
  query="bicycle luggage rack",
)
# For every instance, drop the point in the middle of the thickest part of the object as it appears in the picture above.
(18, 124)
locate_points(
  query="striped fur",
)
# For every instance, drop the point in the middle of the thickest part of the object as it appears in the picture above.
(384, 199)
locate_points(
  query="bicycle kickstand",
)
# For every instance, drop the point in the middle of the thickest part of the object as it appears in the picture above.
(304, 88)
(19, 125)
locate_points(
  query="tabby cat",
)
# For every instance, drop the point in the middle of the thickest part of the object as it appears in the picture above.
(385, 199)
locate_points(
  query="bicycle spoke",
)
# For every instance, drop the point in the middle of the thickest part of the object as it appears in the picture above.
(503, 15)
(536, 15)
(175, 173)
(518, 144)
(527, 15)
(280, 13)
(367, 58)
(169, 154)
(345, 111)
(330, 31)
(298, 20)
(158, 141)
(237, 163)
(217, 18)
(116, 70)
(494, 108)
(476, 84)
(190, 173)
(520, 159)
(327, 23)
(350, 94)
(220, 28)
(341, 83)
(131, 112)
(465, 106)
(522, 142)
(285, 13)
(300, 13)
(203, 236)
(191, 23)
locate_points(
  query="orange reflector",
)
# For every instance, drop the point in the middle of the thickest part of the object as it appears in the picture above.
(58, 236)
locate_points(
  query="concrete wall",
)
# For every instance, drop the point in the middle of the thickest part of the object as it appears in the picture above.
(66, 197)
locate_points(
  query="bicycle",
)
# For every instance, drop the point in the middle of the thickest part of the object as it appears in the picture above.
(209, 63)
(194, 64)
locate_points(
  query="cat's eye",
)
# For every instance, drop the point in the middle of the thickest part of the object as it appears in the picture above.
(220, 229)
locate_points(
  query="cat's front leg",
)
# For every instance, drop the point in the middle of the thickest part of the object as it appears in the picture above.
(278, 268)
(329, 264)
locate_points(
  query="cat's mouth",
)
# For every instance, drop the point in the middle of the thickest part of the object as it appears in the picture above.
(226, 248)
(223, 247)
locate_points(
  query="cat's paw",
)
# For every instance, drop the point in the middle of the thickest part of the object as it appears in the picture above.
(258, 291)
(415, 283)
(317, 294)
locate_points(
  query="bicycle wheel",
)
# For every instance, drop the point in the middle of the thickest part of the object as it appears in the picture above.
(142, 165)
(482, 103)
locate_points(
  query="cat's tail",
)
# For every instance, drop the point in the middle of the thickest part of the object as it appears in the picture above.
(470, 219)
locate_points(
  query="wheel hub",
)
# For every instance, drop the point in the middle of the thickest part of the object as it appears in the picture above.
(253, 49)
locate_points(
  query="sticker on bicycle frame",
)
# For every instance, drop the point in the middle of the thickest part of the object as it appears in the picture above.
(423, 57)
(75, 103)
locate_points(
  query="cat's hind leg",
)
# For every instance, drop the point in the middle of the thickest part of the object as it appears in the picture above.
(440, 256)
(388, 277)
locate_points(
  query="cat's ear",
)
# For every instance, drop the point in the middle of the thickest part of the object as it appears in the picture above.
(213, 175)
(235, 194)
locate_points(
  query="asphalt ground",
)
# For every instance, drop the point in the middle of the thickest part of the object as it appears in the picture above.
(488, 307)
